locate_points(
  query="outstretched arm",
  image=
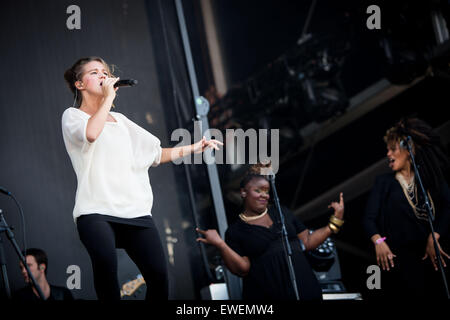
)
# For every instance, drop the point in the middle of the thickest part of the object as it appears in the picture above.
(313, 240)
(172, 154)
(234, 262)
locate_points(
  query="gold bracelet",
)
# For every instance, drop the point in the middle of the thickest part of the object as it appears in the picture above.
(336, 221)
(333, 228)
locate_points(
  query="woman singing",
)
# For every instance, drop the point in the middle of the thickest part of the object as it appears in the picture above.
(396, 217)
(253, 247)
(111, 156)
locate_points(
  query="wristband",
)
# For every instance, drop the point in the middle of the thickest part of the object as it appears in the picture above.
(380, 240)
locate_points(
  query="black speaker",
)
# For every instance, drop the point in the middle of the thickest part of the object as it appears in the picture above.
(324, 261)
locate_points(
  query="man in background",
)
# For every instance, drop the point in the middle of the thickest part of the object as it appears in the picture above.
(37, 262)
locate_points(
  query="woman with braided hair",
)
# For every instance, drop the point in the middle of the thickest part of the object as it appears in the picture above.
(396, 217)
(253, 247)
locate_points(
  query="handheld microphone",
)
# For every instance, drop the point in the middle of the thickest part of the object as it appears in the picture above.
(125, 83)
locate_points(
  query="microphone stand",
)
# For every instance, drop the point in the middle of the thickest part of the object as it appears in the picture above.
(5, 228)
(430, 215)
(286, 245)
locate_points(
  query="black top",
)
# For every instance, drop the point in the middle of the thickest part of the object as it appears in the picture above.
(56, 293)
(389, 214)
(268, 277)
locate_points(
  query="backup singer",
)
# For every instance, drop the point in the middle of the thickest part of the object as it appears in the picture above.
(111, 156)
(253, 246)
(396, 217)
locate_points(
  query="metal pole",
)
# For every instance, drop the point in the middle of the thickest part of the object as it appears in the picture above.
(430, 215)
(233, 282)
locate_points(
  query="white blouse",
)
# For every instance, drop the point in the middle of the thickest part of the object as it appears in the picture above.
(112, 171)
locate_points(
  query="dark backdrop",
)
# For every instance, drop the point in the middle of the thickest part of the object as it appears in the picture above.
(37, 48)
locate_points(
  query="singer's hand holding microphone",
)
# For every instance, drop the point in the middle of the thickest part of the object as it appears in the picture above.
(109, 91)
(111, 85)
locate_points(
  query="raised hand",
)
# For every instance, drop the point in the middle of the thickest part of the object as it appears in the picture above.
(108, 87)
(338, 207)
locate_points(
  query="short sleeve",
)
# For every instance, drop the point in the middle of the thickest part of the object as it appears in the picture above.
(296, 222)
(232, 240)
(74, 128)
(299, 226)
(146, 147)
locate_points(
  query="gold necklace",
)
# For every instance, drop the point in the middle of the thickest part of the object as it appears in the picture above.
(247, 219)
(410, 191)
(409, 187)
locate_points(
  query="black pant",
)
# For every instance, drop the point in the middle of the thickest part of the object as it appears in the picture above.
(142, 244)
